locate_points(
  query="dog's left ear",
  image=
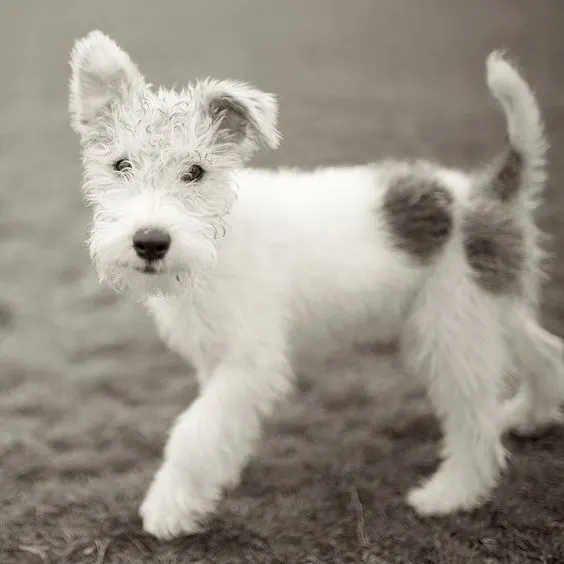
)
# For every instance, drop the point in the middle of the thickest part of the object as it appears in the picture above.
(102, 75)
(243, 115)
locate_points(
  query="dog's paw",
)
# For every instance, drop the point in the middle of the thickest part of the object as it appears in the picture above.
(172, 508)
(525, 420)
(441, 497)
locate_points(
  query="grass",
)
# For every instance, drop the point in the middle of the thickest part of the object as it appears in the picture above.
(87, 392)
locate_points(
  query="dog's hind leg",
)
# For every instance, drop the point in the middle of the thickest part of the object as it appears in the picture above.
(538, 358)
(453, 341)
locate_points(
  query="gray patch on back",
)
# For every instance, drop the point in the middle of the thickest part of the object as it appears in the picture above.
(418, 211)
(494, 245)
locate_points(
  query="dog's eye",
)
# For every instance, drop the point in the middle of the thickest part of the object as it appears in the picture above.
(193, 175)
(122, 165)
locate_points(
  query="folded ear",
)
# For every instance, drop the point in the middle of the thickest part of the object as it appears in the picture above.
(244, 116)
(102, 74)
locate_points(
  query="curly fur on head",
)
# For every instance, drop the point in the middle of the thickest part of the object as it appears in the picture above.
(214, 124)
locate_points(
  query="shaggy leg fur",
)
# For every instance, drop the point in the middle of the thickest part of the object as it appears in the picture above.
(537, 357)
(209, 445)
(453, 341)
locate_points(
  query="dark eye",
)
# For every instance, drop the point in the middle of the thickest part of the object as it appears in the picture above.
(122, 165)
(193, 175)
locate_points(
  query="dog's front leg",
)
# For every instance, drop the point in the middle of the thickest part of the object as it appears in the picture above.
(211, 442)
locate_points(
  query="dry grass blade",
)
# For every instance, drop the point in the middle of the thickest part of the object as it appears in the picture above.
(360, 526)
(102, 547)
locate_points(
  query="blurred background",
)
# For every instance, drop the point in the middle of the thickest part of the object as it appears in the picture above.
(86, 389)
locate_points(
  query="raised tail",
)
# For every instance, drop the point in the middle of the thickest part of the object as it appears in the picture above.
(519, 174)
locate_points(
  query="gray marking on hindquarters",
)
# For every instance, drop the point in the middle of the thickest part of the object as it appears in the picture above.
(494, 245)
(503, 179)
(418, 212)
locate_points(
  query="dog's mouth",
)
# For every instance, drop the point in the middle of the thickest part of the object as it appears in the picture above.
(151, 269)
(147, 269)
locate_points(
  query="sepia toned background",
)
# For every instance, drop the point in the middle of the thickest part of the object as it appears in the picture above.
(87, 392)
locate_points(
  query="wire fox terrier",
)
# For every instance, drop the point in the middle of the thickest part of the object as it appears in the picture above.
(246, 270)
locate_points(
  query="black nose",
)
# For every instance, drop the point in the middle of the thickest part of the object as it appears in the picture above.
(151, 244)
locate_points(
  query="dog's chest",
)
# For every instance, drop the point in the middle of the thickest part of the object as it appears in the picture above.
(182, 329)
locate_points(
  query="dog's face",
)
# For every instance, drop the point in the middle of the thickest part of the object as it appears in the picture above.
(158, 166)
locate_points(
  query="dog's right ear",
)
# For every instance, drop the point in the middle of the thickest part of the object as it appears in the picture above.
(102, 75)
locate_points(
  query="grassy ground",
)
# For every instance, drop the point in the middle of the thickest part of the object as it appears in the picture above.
(87, 392)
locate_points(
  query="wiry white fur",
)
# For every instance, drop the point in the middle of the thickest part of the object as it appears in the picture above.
(453, 340)
(266, 267)
(537, 358)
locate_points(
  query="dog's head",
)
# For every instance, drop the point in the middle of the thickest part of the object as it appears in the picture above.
(159, 165)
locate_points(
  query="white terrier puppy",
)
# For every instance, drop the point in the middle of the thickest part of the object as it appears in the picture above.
(245, 271)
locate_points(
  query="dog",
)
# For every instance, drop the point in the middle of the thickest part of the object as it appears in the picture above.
(245, 271)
